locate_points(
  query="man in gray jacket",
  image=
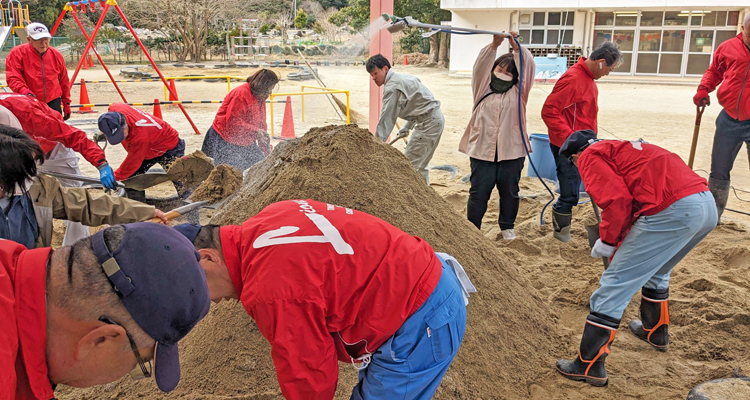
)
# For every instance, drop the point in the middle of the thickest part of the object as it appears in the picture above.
(404, 96)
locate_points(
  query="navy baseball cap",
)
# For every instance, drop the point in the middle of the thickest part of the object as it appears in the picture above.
(190, 231)
(157, 275)
(110, 123)
(577, 142)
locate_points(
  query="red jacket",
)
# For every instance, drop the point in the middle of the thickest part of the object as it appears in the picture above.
(240, 117)
(323, 283)
(148, 137)
(730, 67)
(43, 74)
(23, 323)
(47, 127)
(572, 105)
(630, 179)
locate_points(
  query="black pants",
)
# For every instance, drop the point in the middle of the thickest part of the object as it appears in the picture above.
(486, 175)
(730, 134)
(569, 180)
(165, 160)
(223, 152)
(56, 105)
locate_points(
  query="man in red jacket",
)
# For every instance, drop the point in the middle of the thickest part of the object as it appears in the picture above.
(654, 211)
(60, 142)
(88, 314)
(147, 139)
(36, 69)
(326, 283)
(729, 68)
(572, 106)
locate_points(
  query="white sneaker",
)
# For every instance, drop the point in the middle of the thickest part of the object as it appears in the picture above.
(508, 234)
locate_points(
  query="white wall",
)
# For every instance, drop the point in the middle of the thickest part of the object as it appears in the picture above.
(465, 48)
(597, 4)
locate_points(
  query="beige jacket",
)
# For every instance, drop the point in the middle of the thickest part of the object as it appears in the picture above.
(494, 123)
(79, 205)
(404, 96)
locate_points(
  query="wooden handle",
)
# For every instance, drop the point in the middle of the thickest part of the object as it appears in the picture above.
(694, 145)
(170, 216)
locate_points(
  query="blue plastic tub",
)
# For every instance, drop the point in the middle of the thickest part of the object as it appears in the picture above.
(541, 156)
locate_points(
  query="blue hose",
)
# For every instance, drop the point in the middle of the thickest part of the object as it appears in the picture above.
(523, 134)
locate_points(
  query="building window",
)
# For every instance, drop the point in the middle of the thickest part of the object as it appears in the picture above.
(550, 28)
(665, 42)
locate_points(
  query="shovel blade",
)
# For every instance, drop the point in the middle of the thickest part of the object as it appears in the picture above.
(145, 181)
(592, 231)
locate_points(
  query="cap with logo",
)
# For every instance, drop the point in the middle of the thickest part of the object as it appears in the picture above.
(110, 123)
(37, 30)
(157, 275)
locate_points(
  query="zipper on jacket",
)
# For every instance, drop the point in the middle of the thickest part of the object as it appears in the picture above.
(44, 82)
(743, 85)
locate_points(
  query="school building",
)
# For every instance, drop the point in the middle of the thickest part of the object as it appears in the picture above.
(657, 37)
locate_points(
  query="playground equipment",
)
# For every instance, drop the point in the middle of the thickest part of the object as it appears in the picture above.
(73, 8)
(14, 17)
(302, 93)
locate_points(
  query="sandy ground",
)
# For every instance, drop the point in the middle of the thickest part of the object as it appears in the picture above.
(711, 290)
(660, 114)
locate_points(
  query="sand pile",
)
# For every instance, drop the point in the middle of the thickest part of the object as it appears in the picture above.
(221, 182)
(511, 334)
(192, 169)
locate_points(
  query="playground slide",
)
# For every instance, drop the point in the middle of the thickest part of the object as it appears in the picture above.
(4, 34)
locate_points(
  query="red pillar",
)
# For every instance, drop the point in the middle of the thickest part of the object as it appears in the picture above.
(382, 43)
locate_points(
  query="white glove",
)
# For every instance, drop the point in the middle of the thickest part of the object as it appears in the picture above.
(403, 131)
(601, 249)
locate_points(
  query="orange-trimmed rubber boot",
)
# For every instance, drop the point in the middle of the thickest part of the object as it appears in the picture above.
(653, 327)
(588, 367)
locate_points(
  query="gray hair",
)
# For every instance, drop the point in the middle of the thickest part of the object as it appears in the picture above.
(746, 19)
(77, 285)
(609, 52)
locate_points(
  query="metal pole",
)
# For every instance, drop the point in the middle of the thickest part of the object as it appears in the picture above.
(59, 19)
(90, 42)
(80, 25)
(153, 64)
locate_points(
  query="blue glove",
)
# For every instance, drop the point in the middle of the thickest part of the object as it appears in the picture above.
(107, 176)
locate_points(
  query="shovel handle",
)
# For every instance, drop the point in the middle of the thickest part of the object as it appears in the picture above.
(169, 215)
(698, 114)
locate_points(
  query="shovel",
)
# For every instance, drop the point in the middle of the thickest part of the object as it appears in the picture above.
(181, 211)
(138, 182)
(592, 232)
(698, 115)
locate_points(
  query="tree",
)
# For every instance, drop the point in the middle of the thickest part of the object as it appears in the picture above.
(264, 29)
(329, 26)
(429, 12)
(337, 4)
(45, 11)
(188, 20)
(356, 14)
(282, 22)
(300, 21)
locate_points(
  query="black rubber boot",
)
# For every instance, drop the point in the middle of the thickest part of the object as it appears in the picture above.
(588, 367)
(720, 189)
(561, 223)
(653, 327)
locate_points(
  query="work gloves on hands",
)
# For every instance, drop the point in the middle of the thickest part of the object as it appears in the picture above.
(602, 249)
(29, 93)
(107, 177)
(66, 112)
(701, 97)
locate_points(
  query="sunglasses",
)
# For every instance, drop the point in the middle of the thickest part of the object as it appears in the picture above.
(143, 370)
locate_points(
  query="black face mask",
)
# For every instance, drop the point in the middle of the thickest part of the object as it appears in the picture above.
(498, 85)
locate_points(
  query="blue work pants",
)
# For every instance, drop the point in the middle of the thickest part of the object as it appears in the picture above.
(654, 245)
(411, 364)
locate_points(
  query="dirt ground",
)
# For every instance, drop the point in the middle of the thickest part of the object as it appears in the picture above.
(710, 288)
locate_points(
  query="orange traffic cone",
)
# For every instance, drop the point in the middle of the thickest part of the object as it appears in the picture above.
(91, 61)
(287, 127)
(85, 64)
(84, 99)
(406, 60)
(157, 109)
